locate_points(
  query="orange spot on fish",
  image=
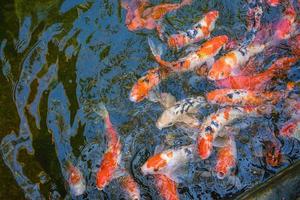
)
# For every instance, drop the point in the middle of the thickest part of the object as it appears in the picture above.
(156, 162)
(205, 146)
(166, 187)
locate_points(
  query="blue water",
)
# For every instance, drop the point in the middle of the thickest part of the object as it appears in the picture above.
(60, 58)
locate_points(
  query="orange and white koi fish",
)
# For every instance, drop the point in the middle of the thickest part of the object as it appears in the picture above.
(204, 54)
(241, 97)
(141, 15)
(181, 112)
(286, 26)
(226, 159)
(130, 187)
(76, 180)
(214, 123)
(199, 31)
(145, 84)
(258, 81)
(291, 128)
(112, 156)
(230, 64)
(167, 187)
(168, 161)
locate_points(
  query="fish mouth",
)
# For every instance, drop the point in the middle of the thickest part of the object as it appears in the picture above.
(133, 98)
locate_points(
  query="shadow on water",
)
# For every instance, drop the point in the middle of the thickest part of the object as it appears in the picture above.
(59, 58)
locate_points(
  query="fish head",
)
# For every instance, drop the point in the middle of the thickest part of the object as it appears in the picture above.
(141, 89)
(155, 164)
(76, 181)
(167, 119)
(225, 162)
(205, 145)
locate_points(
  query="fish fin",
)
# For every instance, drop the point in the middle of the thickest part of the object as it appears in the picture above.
(234, 180)
(159, 148)
(156, 50)
(189, 120)
(210, 62)
(220, 141)
(119, 173)
(167, 100)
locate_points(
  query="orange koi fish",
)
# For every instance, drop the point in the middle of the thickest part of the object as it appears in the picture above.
(204, 54)
(75, 180)
(241, 97)
(285, 28)
(111, 158)
(130, 187)
(168, 161)
(230, 64)
(141, 15)
(166, 187)
(214, 123)
(258, 81)
(145, 84)
(226, 159)
(199, 31)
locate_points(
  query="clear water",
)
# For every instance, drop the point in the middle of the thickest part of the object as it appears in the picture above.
(59, 58)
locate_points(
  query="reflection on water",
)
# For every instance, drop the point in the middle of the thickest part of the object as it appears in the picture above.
(66, 57)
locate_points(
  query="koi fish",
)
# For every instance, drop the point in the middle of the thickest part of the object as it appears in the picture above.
(75, 179)
(214, 123)
(112, 156)
(141, 15)
(166, 187)
(130, 187)
(181, 112)
(201, 30)
(241, 97)
(285, 28)
(230, 64)
(168, 161)
(145, 84)
(273, 3)
(204, 54)
(258, 81)
(291, 128)
(272, 153)
(226, 159)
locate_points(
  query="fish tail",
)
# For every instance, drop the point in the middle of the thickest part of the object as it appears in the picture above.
(157, 52)
(186, 2)
(101, 110)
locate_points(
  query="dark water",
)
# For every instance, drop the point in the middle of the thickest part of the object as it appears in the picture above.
(59, 58)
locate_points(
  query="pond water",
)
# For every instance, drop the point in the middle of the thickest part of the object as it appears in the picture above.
(60, 58)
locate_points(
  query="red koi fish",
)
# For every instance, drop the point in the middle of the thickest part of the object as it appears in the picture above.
(145, 84)
(166, 187)
(226, 159)
(141, 15)
(214, 123)
(204, 54)
(75, 180)
(230, 64)
(258, 81)
(130, 187)
(285, 28)
(167, 162)
(241, 97)
(199, 31)
(111, 158)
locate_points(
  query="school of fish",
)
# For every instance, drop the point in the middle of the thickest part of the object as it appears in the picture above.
(243, 89)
